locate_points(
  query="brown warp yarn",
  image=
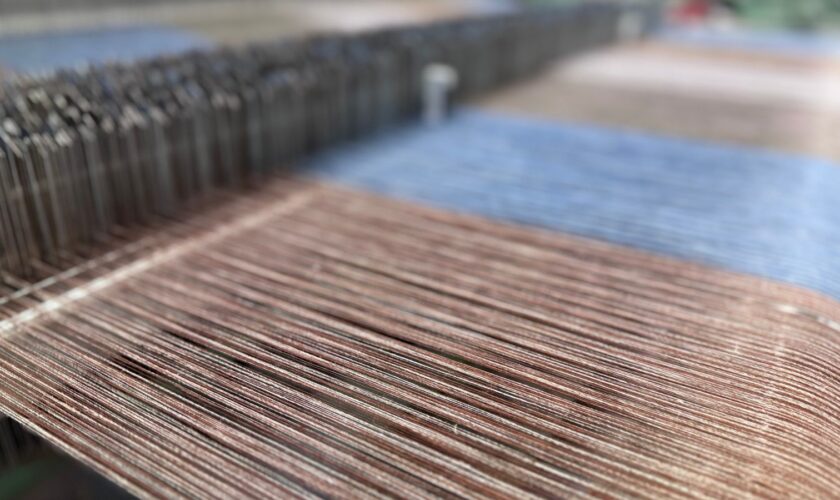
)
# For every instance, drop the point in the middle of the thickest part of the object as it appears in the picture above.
(334, 343)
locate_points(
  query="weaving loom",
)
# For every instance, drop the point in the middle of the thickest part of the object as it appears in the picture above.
(497, 306)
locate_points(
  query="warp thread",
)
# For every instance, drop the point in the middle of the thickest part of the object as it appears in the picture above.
(358, 344)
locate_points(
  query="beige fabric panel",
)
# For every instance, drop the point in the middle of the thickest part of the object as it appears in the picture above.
(771, 102)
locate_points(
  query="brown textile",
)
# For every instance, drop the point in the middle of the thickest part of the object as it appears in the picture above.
(331, 342)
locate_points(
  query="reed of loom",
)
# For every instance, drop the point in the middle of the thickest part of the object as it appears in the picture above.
(85, 153)
(90, 159)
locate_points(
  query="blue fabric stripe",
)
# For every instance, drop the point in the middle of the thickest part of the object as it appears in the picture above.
(769, 214)
(38, 53)
(782, 42)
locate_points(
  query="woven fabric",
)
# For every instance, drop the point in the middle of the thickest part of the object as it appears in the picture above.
(306, 340)
(764, 213)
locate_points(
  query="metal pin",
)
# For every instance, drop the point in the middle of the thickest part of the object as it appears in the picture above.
(85, 151)
(438, 82)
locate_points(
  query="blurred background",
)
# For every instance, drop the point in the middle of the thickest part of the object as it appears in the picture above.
(781, 98)
(752, 73)
(40, 35)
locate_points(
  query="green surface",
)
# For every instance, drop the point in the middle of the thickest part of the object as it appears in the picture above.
(800, 14)
(17, 481)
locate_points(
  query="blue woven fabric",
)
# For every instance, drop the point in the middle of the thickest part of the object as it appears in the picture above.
(40, 53)
(768, 214)
(782, 42)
